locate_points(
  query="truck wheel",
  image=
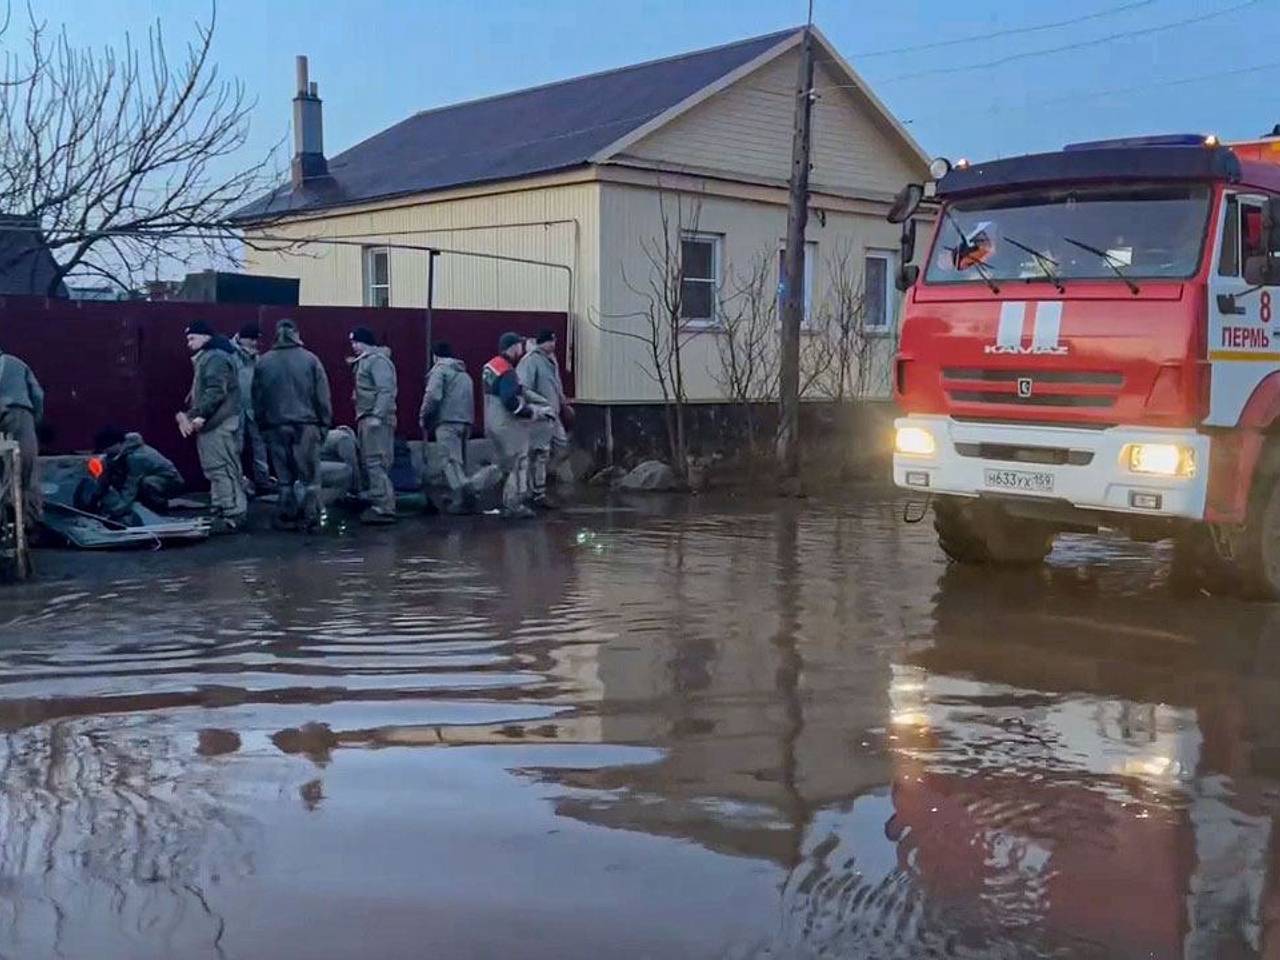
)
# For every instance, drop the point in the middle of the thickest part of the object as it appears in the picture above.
(1259, 554)
(976, 533)
(1197, 563)
(958, 535)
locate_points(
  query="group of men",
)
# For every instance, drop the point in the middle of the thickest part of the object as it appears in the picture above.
(274, 410)
(526, 412)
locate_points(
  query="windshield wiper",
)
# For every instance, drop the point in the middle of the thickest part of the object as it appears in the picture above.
(966, 247)
(1110, 259)
(1043, 261)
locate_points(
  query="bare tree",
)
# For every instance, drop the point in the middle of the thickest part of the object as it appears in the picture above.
(858, 356)
(123, 159)
(659, 324)
(747, 341)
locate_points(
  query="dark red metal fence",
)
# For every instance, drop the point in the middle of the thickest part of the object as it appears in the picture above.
(127, 363)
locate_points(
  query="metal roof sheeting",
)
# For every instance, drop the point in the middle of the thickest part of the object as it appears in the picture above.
(538, 130)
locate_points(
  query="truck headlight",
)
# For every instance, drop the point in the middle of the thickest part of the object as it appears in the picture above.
(1161, 459)
(915, 442)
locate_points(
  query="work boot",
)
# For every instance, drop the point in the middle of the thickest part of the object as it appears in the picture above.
(377, 518)
(221, 526)
(517, 513)
(284, 523)
(541, 502)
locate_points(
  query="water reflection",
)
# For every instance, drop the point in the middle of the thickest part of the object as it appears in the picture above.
(707, 729)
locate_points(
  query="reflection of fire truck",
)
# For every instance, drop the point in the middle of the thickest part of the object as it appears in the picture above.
(1092, 342)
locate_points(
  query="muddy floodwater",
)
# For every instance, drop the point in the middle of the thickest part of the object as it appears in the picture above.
(678, 729)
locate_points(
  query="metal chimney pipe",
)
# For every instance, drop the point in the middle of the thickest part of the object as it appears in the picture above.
(308, 130)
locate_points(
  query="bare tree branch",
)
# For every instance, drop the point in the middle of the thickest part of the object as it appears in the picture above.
(659, 324)
(125, 158)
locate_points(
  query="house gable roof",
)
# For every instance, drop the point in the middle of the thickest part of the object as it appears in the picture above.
(538, 130)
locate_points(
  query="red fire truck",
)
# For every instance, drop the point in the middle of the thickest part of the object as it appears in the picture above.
(1093, 341)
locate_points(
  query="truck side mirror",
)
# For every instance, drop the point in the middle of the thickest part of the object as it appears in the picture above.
(907, 243)
(907, 276)
(906, 203)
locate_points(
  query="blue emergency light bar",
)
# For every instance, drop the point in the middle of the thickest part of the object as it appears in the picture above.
(1159, 140)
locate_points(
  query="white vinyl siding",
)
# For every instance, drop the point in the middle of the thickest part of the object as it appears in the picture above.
(746, 130)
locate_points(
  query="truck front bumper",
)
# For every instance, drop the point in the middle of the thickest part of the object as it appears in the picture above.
(1087, 469)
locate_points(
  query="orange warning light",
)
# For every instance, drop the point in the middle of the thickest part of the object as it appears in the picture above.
(95, 467)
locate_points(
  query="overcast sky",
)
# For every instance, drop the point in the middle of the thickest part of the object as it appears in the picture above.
(377, 61)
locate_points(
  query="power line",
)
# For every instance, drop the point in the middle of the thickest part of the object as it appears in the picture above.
(1013, 31)
(1098, 94)
(1078, 45)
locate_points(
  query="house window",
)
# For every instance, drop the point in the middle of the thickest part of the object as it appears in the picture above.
(699, 277)
(878, 291)
(377, 277)
(810, 258)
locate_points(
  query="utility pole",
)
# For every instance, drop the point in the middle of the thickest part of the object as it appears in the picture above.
(431, 302)
(793, 292)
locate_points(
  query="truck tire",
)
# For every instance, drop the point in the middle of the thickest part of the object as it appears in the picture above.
(1258, 554)
(977, 533)
(1198, 565)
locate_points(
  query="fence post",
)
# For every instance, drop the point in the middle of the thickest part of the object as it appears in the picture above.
(13, 535)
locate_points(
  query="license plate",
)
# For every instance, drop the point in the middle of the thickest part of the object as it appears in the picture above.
(1023, 481)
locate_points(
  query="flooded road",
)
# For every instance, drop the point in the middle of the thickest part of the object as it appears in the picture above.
(703, 729)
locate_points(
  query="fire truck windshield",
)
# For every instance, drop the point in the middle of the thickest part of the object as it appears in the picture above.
(1147, 231)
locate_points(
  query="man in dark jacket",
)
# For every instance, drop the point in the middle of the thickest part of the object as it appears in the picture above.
(509, 411)
(214, 410)
(21, 408)
(132, 473)
(448, 408)
(246, 344)
(375, 400)
(292, 405)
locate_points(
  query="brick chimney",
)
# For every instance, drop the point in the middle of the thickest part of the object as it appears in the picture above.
(308, 131)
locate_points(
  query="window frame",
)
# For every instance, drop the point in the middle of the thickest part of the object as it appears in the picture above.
(715, 281)
(369, 273)
(1231, 234)
(810, 259)
(891, 298)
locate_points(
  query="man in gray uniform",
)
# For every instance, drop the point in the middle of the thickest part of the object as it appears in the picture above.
(132, 473)
(375, 400)
(539, 371)
(448, 407)
(509, 413)
(246, 344)
(21, 408)
(213, 414)
(292, 405)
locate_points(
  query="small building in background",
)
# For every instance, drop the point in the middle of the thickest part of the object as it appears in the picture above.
(214, 286)
(27, 266)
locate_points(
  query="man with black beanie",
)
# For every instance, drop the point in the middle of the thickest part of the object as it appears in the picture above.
(375, 401)
(213, 415)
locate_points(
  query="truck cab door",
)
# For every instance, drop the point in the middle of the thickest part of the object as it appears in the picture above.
(1242, 337)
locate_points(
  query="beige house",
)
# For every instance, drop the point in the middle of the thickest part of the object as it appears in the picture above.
(555, 198)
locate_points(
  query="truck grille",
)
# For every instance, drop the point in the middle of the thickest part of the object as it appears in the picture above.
(1048, 388)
